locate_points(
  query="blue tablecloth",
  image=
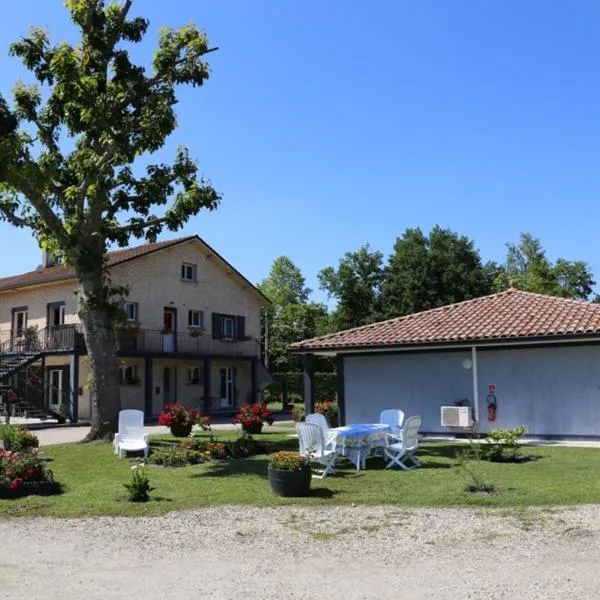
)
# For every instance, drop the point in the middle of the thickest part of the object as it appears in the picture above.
(357, 441)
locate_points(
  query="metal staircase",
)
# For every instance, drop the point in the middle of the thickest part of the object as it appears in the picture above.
(17, 364)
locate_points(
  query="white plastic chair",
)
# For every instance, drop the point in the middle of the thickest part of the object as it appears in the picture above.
(312, 446)
(131, 436)
(320, 420)
(399, 449)
(394, 418)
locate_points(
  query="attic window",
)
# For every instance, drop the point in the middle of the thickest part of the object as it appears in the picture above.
(188, 272)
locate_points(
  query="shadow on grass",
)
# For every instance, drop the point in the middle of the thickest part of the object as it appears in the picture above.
(237, 466)
(322, 493)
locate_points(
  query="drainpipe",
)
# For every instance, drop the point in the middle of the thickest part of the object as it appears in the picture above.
(475, 384)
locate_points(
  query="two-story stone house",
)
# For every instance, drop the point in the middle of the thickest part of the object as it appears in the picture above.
(191, 332)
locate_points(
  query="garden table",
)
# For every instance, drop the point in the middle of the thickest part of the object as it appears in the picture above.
(356, 441)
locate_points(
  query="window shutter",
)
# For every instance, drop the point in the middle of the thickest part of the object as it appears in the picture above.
(240, 328)
(217, 326)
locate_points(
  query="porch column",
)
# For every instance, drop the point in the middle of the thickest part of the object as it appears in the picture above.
(207, 382)
(341, 398)
(253, 380)
(74, 387)
(309, 389)
(475, 385)
(148, 386)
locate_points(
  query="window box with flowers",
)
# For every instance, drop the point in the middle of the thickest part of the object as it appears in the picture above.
(289, 474)
(181, 418)
(252, 417)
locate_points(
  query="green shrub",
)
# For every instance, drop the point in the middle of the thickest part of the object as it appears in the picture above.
(138, 488)
(177, 455)
(244, 446)
(298, 412)
(502, 445)
(294, 398)
(325, 385)
(17, 439)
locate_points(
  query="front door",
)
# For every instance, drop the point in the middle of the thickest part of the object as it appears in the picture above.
(169, 331)
(169, 385)
(228, 384)
(57, 388)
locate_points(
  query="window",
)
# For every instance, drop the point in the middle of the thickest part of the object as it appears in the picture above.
(196, 319)
(56, 315)
(227, 328)
(131, 311)
(193, 374)
(188, 272)
(20, 322)
(128, 375)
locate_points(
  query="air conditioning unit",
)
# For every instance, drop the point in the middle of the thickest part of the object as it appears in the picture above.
(456, 416)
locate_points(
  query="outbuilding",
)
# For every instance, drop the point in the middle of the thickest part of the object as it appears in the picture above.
(534, 358)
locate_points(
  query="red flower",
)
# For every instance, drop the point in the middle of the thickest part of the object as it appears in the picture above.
(15, 483)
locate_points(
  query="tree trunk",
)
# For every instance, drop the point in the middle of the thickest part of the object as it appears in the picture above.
(100, 341)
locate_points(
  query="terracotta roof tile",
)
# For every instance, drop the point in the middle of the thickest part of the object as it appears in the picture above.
(61, 273)
(508, 315)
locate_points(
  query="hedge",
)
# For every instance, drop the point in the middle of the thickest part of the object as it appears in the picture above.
(325, 386)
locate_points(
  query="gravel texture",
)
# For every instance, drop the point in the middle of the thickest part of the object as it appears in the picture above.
(306, 553)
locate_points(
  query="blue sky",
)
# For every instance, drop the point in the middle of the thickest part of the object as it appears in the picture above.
(327, 125)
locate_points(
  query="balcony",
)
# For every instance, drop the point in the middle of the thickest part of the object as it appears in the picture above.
(64, 338)
(131, 341)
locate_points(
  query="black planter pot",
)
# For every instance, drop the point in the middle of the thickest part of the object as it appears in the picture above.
(252, 428)
(31, 488)
(290, 483)
(179, 430)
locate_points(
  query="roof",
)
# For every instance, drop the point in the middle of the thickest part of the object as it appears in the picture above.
(58, 273)
(510, 315)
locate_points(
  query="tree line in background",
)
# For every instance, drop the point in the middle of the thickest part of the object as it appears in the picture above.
(423, 272)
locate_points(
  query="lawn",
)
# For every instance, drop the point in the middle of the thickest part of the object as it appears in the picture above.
(93, 480)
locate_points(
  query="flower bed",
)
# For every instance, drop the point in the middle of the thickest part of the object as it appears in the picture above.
(24, 473)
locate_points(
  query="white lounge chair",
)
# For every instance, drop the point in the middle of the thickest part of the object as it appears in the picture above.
(398, 449)
(320, 420)
(394, 418)
(312, 446)
(131, 436)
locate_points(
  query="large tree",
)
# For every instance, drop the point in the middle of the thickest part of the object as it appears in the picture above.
(291, 317)
(74, 163)
(356, 285)
(427, 271)
(528, 268)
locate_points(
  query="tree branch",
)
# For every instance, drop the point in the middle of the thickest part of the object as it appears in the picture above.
(46, 213)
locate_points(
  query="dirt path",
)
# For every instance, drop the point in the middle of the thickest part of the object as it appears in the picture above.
(306, 553)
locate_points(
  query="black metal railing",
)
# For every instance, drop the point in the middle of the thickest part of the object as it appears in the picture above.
(67, 337)
(183, 342)
(33, 339)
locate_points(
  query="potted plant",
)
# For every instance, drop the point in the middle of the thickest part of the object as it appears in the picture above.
(252, 417)
(180, 419)
(289, 474)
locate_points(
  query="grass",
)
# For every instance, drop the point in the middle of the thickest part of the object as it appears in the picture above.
(93, 482)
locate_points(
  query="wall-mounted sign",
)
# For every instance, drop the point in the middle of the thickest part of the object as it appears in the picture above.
(491, 389)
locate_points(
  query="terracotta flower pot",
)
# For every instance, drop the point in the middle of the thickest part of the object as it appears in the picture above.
(179, 430)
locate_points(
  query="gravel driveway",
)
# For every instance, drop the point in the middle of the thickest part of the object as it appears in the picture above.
(306, 553)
